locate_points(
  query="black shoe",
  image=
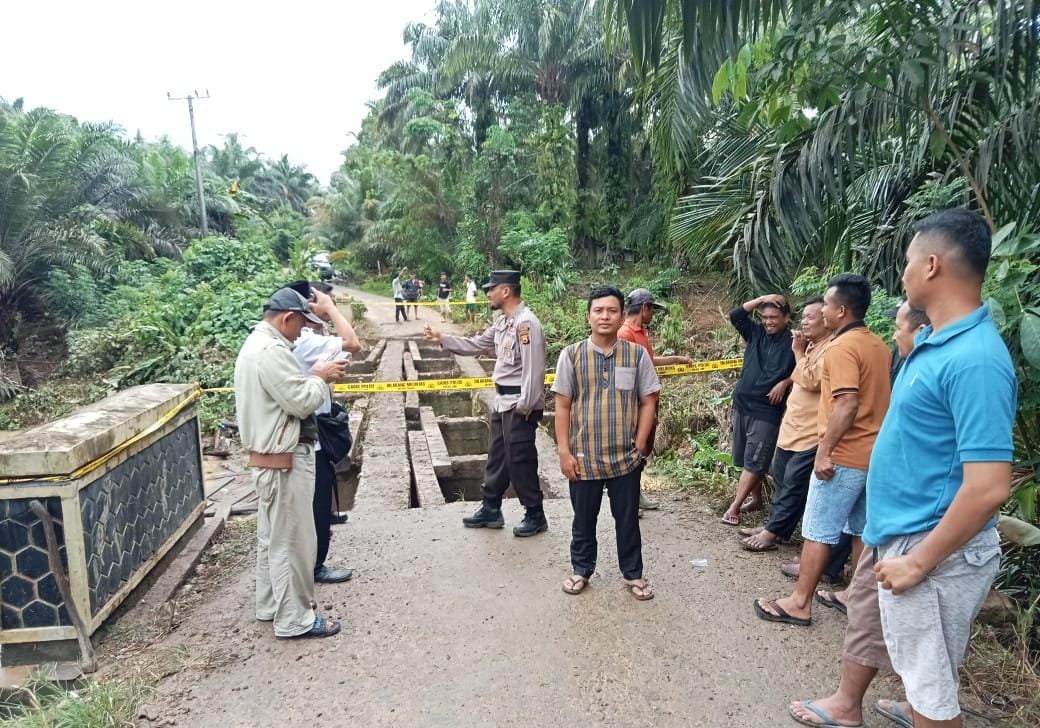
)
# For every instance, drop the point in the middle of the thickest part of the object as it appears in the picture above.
(338, 518)
(485, 518)
(327, 575)
(531, 525)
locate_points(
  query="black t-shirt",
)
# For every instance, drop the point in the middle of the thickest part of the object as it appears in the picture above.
(768, 360)
(411, 290)
(443, 290)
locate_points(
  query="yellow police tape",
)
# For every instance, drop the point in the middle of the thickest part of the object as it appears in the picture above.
(406, 303)
(422, 385)
(121, 447)
(463, 383)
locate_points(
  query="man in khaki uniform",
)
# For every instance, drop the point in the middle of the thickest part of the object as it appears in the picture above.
(276, 405)
(518, 345)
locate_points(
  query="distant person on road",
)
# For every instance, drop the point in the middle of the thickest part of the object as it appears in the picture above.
(606, 404)
(311, 348)
(758, 398)
(518, 345)
(639, 314)
(276, 405)
(443, 294)
(471, 299)
(412, 291)
(398, 290)
(854, 393)
(799, 433)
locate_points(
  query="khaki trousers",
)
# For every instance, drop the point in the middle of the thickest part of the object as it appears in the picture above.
(286, 545)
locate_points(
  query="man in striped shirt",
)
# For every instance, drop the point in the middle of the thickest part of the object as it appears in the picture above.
(605, 409)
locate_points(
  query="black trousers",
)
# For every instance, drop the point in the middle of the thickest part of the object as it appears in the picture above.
(399, 310)
(513, 459)
(791, 472)
(324, 482)
(840, 553)
(586, 498)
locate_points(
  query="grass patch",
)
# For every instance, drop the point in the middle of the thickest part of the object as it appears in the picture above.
(90, 704)
(1000, 680)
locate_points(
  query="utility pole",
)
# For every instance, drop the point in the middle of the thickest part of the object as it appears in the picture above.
(190, 98)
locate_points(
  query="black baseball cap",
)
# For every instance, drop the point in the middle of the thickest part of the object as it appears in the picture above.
(288, 299)
(643, 295)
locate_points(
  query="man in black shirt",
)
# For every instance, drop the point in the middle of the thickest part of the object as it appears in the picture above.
(760, 395)
(443, 294)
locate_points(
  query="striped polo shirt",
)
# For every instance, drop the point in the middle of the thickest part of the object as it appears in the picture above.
(604, 388)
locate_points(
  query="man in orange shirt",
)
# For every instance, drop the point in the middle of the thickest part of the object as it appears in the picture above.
(854, 393)
(639, 313)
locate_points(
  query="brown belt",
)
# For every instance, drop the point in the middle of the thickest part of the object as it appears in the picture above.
(276, 460)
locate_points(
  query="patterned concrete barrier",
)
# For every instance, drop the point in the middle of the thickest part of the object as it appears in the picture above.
(122, 481)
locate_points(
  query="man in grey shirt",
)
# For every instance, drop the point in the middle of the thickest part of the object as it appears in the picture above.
(518, 345)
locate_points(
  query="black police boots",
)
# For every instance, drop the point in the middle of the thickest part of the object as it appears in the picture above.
(532, 524)
(485, 518)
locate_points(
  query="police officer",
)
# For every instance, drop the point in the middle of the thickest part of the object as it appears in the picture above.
(518, 345)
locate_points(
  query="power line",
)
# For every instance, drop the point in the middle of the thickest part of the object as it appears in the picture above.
(191, 98)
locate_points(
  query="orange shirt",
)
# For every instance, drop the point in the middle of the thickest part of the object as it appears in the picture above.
(856, 361)
(638, 335)
(799, 430)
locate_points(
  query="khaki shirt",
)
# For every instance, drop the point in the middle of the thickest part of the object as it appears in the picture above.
(272, 396)
(518, 345)
(798, 430)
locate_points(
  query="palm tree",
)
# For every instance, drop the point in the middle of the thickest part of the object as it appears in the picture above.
(835, 116)
(286, 183)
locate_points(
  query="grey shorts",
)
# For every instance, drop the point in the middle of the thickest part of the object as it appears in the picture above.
(927, 628)
(754, 441)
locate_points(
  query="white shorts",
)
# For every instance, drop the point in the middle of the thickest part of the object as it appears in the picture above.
(927, 628)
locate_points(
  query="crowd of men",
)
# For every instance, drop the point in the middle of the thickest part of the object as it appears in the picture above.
(897, 459)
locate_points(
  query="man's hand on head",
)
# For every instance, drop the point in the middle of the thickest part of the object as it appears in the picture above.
(323, 305)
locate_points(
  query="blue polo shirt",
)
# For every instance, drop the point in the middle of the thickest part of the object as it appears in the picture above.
(952, 403)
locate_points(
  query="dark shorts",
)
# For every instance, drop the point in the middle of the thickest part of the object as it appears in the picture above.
(471, 307)
(753, 442)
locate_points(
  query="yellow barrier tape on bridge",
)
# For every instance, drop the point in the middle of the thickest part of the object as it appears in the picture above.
(463, 383)
(409, 303)
(121, 447)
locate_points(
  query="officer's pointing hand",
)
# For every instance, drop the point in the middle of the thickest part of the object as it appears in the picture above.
(431, 334)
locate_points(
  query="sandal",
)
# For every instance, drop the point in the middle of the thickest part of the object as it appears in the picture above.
(830, 599)
(322, 627)
(753, 531)
(646, 589)
(751, 543)
(730, 520)
(781, 616)
(826, 720)
(575, 584)
(895, 713)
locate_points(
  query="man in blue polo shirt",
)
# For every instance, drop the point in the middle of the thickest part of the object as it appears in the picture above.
(951, 416)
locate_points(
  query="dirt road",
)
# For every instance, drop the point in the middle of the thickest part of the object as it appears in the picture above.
(446, 626)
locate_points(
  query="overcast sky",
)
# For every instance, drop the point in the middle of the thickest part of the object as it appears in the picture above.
(290, 77)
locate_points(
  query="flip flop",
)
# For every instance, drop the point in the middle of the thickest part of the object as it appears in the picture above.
(748, 544)
(752, 531)
(781, 616)
(647, 589)
(730, 520)
(823, 715)
(897, 715)
(832, 602)
(574, 587)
